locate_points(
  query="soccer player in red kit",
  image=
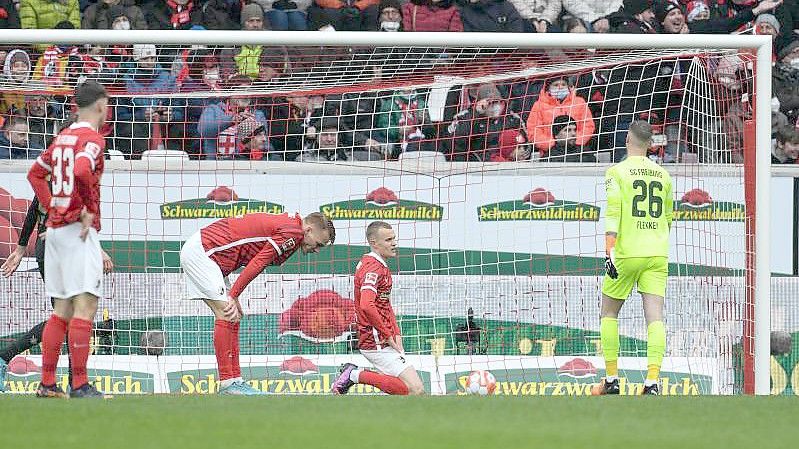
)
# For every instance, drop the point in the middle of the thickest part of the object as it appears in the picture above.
(379, 336)
(252, 241)
(73, 258)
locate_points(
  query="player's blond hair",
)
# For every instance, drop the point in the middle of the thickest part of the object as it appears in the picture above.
(318, 220)
(371, 230)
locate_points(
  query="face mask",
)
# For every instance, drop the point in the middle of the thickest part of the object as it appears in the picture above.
(496, 110)
(559, 93)
(389, 26)
(121, 25)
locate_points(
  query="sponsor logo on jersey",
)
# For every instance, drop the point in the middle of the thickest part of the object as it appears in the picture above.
(288, 245)
(370, 278)
(538, 205)
(382, 204)
(221, 202)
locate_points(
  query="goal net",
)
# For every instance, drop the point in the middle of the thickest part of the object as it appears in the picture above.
(489, 162)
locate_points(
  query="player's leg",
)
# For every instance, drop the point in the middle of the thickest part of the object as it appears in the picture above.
(614, 293)
(391, 366)
(652, 285)
(80, 332)
(226, 336)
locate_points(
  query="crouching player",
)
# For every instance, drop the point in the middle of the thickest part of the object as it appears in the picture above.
(379, 337)
(252, 241)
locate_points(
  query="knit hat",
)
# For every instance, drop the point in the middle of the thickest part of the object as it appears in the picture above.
(508, 140)
(249, 128)
(488, 91)
(788, 49)
(251, 10)
(141, 51)
(769, 19)
(662, 8)
(695, 8)
(559, 123)
(396, 4)
(634, 7)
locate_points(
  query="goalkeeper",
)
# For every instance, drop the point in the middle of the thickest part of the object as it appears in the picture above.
(637, 224)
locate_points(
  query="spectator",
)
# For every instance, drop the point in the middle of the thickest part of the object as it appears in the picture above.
(476, 130)
(14, 140)
(344, 15)
(16, 73)
(566, 148)
(540, 15)
(390, 17)
(221, 115)
(431, 15)
(221, 14)
(785, 149)
(557, 98)
(785, 79)
(45, 14)
(399, 120)
(255, 61)
(286, 15)
(243, 140)
(114, 15)
(635, 17)
(491, 16)
(149, 122)
(326, 146)
(671, 19)
(512, 146)
(295, 123)
(172, 14)
(594, 12)
(9, 16)
(200, 73)
(45, 118)
(767, 24)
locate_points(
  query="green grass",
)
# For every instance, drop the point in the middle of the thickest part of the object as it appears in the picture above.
(326, 422)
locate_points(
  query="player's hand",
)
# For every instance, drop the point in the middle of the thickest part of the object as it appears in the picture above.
(108, 264)
(396, 343)
(610, 268)
(86, 220)
(10, 265)
(233, 311)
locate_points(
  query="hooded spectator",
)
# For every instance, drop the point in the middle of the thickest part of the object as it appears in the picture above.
(566, 148)
(557, 98)
(9, 17)
(491, 16)
(16, 72)
(431, 15)
(767, 24)
(46, 14)
(114, 15)
(512, 147)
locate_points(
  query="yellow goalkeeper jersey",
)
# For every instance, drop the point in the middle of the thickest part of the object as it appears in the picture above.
(640, 207)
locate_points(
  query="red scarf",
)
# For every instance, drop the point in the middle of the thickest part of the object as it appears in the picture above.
(180, 13)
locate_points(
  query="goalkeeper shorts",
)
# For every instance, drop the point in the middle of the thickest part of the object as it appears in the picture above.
(649, 273)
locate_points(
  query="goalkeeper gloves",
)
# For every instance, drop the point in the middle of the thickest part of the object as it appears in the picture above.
(610, 267)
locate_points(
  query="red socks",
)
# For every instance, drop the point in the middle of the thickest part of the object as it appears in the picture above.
(226, 347)
(52, 339)
(388, 384)
(80, 331)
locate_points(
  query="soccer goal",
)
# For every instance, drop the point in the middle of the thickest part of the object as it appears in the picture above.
(486, 152)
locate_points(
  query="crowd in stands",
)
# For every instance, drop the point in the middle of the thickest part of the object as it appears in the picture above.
(579, 116)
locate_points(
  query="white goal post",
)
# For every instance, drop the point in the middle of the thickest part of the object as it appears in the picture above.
(760, 281)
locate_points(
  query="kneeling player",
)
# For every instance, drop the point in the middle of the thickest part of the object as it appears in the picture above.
(379, 337)
(252, 241)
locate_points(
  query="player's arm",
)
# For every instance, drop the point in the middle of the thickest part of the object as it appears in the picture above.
(85, 165)
(37, 177)
(612, 220)
(669, 204)
(31, 217)
(274, 249)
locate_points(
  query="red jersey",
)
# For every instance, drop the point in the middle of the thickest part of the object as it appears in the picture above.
(374, 315)
(74, 162)
(252, 241)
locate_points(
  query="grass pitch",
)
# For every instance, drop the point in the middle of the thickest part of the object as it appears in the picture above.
(326, 422)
